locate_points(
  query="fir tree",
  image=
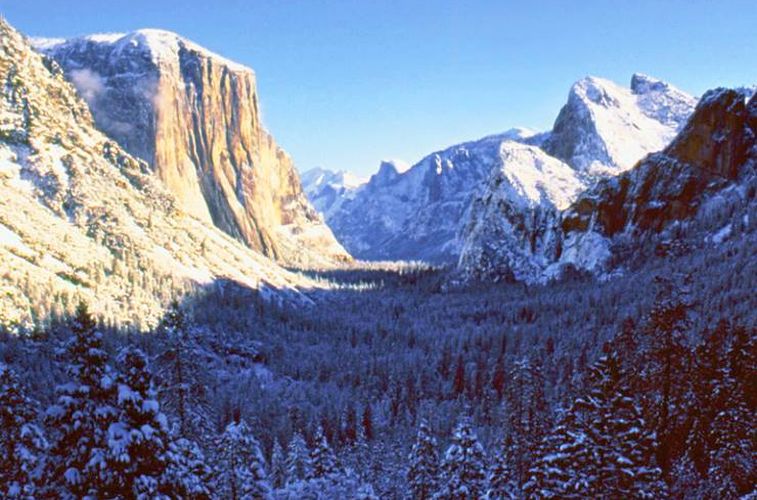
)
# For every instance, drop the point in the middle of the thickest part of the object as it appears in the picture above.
(422, 473)
(297, 464)
(242, 475)
(138, 440)
(322, 459)
(464, 466)
(502, 483)
(80, 420)
(186, 474)
(278, 466)
(180, 377)
(22, 443)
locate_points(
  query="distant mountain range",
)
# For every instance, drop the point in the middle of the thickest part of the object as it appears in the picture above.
(424, 212)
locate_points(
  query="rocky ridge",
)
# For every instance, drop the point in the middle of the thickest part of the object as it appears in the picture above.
(80, 218)
(194, 117)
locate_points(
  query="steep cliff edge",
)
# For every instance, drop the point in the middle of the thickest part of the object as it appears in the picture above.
(82, 219)
(194, 117)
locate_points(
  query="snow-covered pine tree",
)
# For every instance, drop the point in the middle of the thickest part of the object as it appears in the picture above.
(322, 459)
(297, 464)
(186, 474)
(278, 466)
(528, 416)
(463, 474)
(562, 466)
(624, 447)
(242, 474)
(423, 470)
(21, 440)
(79, 422)
(180, 379)
(502, 483)
(664, 376)
(138, 441)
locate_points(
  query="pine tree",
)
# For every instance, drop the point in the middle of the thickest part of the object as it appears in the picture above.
(297, 464)
(422, 474)
(624, 448)
(464, 466)
(563, 464)
(181, 381)
(278, 466)
(502, 483)
(664, 377)
(138, 440)
(80, 420)
(600, 447)
(22, 443)
(186, 474)
(322, 459)
(242, 475)
(527, 416)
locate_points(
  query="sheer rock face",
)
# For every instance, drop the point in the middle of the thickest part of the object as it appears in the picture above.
(194, 117)
(80, 218)
(715, 149)
(604, 129)
(514, 228)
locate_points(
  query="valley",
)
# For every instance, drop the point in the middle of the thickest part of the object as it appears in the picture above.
(560, 314)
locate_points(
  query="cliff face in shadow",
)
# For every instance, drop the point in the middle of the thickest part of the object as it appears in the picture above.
(194, 116)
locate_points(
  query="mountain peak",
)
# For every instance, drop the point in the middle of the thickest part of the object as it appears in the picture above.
(163, 45)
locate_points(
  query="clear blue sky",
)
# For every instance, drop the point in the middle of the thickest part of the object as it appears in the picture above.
(344, 84)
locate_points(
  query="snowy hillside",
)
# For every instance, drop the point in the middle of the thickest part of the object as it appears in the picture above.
(82, 219)
(603, 130)
(327, 190)
(194, 117)
(415, 214)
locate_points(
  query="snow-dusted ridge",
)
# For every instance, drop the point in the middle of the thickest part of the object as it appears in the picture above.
(425, 213)
(161, 43)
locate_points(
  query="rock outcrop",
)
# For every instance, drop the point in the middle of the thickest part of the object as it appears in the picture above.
(80, 218)
(194, 117)
(716, 148)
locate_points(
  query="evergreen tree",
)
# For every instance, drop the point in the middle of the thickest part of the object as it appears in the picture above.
(464, 466)
(600, 447)
(138, 440)
(84, 411)
(563, 464)
(422, 474)
(242, 474)
(186, 474)
(181, 381)
(502, 483)
(322, 459)
(528, 415)
(22, 444)
(278, 466)
(624, 448)
(297, 464)
(665, 374)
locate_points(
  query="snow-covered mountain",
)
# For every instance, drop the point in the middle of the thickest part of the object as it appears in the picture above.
(194, 117)
(604, 129)
(438, 207)
(80, 218)
(708, 168)
(327, 189)
(415, 214)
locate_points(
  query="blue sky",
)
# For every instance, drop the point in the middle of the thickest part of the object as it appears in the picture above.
(344, 84)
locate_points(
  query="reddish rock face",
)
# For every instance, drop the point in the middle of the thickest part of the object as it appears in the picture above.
(194, 116)
(714, 148)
